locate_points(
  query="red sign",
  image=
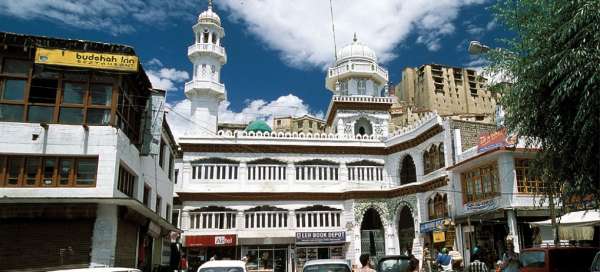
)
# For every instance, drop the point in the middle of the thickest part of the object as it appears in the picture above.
(492, 140)
(210, 240)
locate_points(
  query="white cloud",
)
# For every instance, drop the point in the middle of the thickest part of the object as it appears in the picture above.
(287, 105)
(301, 30)
(491, 25)
(112, 16)
(167, 79)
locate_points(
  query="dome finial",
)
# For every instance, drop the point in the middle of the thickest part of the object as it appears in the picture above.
(210, 4)
(355, 39)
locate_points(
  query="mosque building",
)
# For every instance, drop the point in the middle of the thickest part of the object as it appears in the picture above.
(283, 198)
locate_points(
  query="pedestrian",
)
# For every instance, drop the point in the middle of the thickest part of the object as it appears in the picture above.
(510, 259)
(444, 260)
(476, 265)
(183, 263)
(366, 264)
(413, 264)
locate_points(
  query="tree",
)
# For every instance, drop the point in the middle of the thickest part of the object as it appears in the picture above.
(553, 62)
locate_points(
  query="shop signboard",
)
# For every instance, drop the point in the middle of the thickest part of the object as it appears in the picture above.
(432, 225)
(119, 62)
(326, 237)
(480, 206)
(439, 236)
(210, 240)
(491, 140)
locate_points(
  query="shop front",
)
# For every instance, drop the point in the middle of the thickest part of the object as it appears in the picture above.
(438, 234)
(202, 248)
(319, 245)
(271, 254)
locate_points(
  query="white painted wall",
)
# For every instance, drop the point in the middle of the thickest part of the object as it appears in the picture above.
(108, 144)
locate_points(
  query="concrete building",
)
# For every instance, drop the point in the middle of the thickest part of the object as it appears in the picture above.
(303, 124)
(450, 91)
(85, 157)
(496, 195)
(281, 198)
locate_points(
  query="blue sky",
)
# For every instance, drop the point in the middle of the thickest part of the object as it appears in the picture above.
(274, 48)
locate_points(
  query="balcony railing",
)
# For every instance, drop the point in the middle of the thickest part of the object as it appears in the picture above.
(266, 220)
(203, 85)
(215, 172)
(318, 219)
(358, 68)
(365, 173)
(317, 172)
(368, 99)
(208, 48)
(267, 172)
(212, 220)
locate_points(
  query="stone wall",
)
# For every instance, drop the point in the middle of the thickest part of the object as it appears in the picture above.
(470, 131)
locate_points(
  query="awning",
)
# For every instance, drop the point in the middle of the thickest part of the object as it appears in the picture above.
(574, 219)
(575, 225)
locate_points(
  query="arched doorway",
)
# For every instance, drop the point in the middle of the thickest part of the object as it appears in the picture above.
(372, 239)
(363, 127)
(406, 231)
(408, 173)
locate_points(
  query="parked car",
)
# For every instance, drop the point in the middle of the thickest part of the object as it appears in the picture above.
(393, 263)
(596, 263)
(100, 269)
(223, 266)
(557, 259)
(327, 265)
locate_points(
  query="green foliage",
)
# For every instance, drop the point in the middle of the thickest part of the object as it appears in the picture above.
(554, 64)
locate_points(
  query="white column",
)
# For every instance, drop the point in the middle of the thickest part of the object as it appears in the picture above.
(511, 220)
(104, 237)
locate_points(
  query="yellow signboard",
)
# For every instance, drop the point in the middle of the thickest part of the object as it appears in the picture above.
(86, 59)
(439, 236)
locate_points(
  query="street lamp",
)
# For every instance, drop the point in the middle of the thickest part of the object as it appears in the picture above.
(476, 48)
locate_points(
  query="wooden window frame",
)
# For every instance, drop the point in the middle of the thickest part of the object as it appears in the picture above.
(126, 179)
(475, 177)
(39, 177)
(526, 184)
(58, 104)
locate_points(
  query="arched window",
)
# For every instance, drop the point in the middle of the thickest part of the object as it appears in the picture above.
(408, 172)
(438, 206)
(363, 127)
(426, 162)
(442, 157)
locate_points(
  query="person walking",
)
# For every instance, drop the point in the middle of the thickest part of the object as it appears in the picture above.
(366, 264)
(510, 259)
(444, 260)
(476, 265)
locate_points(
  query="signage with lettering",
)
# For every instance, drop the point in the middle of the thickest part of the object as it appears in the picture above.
(210, 240)
(432, 225)
(480, 205)
(492, 140)
(86, 59)
(327, 237)
(439, 236)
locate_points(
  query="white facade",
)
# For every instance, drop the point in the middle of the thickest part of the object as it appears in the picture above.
(205, 90)
(382, 190)
(112, 148)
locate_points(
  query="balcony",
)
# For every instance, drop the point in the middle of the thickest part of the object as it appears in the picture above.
(364, 99)
(201, 49)
(355, 69)
(198, 86)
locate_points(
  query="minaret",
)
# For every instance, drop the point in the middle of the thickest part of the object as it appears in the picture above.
(205, 90)
(360, 102)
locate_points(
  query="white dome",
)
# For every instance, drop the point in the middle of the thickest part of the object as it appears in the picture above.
(209, 16)
(356, 50)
